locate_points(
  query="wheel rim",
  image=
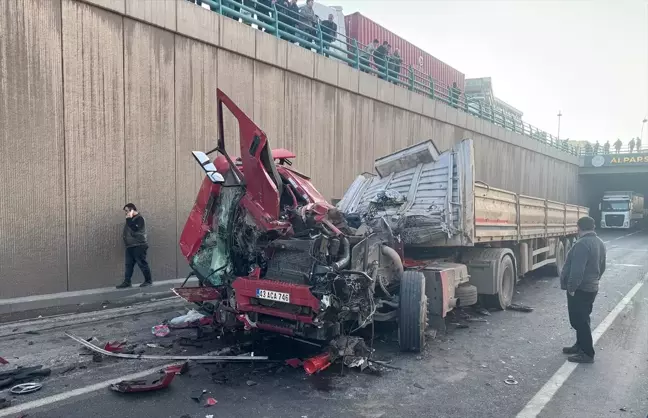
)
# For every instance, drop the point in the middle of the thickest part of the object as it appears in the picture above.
(507, 285)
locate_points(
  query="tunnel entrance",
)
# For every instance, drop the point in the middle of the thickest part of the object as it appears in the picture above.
(593, 186)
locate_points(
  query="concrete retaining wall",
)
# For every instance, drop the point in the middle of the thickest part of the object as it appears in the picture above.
(103, 100)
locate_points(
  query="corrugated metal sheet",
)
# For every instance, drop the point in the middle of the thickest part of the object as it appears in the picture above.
(366, 30)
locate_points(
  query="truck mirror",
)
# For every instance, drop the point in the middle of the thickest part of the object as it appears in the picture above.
(208, 167)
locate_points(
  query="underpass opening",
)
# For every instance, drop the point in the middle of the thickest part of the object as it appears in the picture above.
(593, 186)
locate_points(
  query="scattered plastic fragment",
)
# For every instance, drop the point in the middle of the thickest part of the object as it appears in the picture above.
(157, 382)
(210, 402)
(294, 362)
(152, 345)
(184, 320)
(519, 308)
(197, 395)
(510, 381)
(317, 363)
(251, 383)
(115, 346)
(160, 330)
(3, 361)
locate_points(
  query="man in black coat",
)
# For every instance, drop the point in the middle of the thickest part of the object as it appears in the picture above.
(329, 32)
(580, 277)
(136, 243)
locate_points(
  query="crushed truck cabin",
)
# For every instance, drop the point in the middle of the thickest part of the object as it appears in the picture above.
(407, 245)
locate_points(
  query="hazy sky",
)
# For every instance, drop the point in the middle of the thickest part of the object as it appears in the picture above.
(588, 59)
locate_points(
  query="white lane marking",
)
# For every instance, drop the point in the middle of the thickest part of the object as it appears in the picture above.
(625, 265)
(12, 411)
(622, 236)
(547, 392)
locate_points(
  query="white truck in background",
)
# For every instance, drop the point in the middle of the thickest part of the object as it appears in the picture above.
(621, 210)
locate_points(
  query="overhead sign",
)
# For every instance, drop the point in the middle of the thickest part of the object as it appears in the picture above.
(611, 160)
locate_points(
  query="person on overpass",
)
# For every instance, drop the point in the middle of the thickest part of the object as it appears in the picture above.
(309, 22)
(617, 145)
(580, 277)
(136, 244)
(631, 145)
(597, 147)
(395, 64)
(638, 144)
(329, 32)
(606, 147)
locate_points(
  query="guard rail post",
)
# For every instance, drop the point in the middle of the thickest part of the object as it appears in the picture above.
(411, 78)
(275, 14)
(431, 87)
(357, 54)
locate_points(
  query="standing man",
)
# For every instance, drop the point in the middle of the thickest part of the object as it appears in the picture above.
(631, 145)
(395, 65)
(580, 277)
(638, 144)
(329, 32)
(136, 247)
(617, 145)
(606, 147)
(380, 55)
(309, 23)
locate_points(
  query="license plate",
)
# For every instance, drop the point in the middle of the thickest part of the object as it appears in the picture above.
(272, 295)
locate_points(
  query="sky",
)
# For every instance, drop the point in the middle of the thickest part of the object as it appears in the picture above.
(588, 59)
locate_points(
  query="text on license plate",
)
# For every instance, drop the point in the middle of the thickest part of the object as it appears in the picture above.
(272, 295)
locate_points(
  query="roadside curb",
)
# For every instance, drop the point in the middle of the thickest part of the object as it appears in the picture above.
(42, 304)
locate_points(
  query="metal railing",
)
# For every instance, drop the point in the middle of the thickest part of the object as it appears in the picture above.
(285, 24)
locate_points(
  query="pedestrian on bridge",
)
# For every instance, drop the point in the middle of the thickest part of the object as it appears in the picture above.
(136, 243)
(638, 144)
(617, 145)
(631, 145)
(606, 147)
(580, 278)
(597, 147)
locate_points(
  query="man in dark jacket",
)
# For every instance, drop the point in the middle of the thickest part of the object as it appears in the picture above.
(395, 63)
(380, 56)
(136, 247)
(329, 32)
(580, 278)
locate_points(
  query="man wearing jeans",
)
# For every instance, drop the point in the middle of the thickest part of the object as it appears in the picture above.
(136, 247)
(580, 277)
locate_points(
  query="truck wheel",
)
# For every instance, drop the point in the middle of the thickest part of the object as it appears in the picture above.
(467, 294)
(505, 286)
(413, 311)
(560, 258)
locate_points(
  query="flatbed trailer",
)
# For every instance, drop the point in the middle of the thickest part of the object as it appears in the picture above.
(498, 235)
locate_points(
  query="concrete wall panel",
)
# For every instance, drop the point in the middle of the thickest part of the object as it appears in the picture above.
(93, 64)
(114, 5)
(363, 138)
(348, 78)
(150, 139)
(157, 12)
(345, 160)
(270, 51)
(269, 98)
(196, 126)
(32, 190)
(195, 23)
(298, 134)
(237, 37)
(235, 78)
(324, 103)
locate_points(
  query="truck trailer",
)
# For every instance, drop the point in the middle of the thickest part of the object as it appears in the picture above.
(407, 245)
(621, 210)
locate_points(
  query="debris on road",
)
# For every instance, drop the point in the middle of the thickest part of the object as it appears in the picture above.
(510, 381)
(202, 359)
(115, 346)
(21, 375)
(150, 345)
(519, 308)
(317, 363)
(160, 330)
(3, 361)
(151, 383)
(294, 362)
(483, 311)
(623, 409)
(197, 395)
(25, 388)
(5, 403)
(210, 402)
(251, 383)
(187, 320)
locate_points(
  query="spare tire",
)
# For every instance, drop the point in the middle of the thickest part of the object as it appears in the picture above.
(466, 294)
(412, 311)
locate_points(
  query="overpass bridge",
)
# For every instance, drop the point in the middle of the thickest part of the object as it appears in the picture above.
(103, 100)
(612, 171)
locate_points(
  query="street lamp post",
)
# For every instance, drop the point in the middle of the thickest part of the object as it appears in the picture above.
(643, 122)
(559, 116)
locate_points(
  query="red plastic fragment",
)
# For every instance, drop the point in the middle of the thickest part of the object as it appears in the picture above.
(210, 402)
(294, 362)
(317, 363)
(3, 361)
(115, 346)
(151, 383)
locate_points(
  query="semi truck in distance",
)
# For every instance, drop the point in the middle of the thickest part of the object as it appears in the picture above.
(621, 210)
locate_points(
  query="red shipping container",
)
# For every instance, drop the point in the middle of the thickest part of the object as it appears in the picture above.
(365, 30)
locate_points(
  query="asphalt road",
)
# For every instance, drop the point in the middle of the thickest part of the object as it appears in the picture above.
(459, 375)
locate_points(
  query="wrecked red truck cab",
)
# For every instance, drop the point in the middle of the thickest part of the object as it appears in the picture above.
(280, 258)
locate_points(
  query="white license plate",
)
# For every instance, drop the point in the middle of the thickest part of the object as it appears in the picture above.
(272, 295)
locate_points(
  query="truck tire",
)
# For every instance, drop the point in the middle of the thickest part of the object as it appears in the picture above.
(561, 254)
(505, 286)
(466, 294)
(412, 311)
